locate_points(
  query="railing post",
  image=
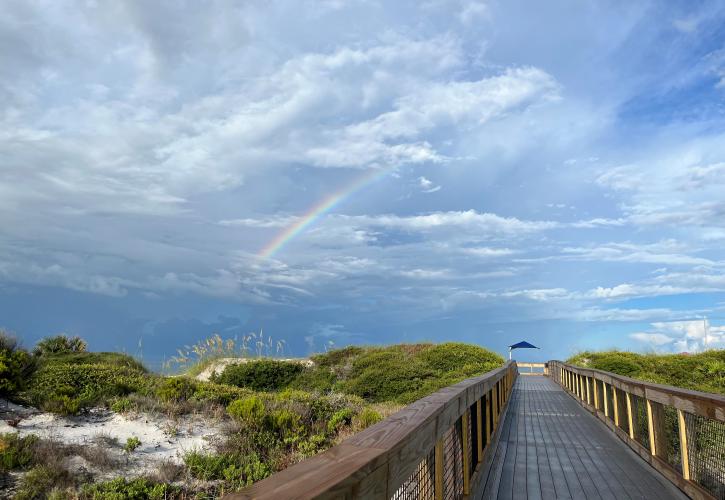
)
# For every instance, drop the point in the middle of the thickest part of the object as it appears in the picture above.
(605, 399)
(656, 428)
(479, 430)
(615, 404)
(630, 420)
(684, 452)
(589, 395)
(596, 393)
(582, 394)
(439, 470)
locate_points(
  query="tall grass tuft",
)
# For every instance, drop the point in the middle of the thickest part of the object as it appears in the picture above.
(193, 359)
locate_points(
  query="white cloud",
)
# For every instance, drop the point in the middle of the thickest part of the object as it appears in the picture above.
(657, 339)
(427, 185)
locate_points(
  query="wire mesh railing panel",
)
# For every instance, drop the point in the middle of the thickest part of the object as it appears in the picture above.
(599, 399)
(453, 462)
(622, 410)
(706, 452)
(472, 440)
(672, 438)
(639, 420)
(421, 483)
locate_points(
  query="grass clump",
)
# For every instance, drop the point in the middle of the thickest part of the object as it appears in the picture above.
(702, 372)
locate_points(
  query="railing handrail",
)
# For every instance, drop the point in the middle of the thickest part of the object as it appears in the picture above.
(705, 404)
(674, 448)
(377, 460)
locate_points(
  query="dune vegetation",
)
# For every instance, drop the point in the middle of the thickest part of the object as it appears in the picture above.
(703, 371)
(270, 413)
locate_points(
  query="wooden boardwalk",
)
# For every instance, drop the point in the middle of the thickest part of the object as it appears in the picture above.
(551, 447)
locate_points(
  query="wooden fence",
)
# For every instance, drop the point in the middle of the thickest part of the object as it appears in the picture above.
(438, 447)
(532, 368)
(679, 432)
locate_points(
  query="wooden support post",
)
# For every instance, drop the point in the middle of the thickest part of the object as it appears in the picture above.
(651, 429)
(596, 393)
(630, 417)
(684, 452)
(489, 430)
(464, 444)
(589, 393)
(605, 399)
(582, 394)
(615, 404)
(439, 470)
(479, 430)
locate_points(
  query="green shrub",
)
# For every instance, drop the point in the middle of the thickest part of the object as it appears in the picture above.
(66, 388)
(40, 481)
(386, 376)
(453, 356)
(249, 411)
(59, 344)
(262, 375)
(316, 378)
(218, 393)
(16, 365)
(238, 470)
(123, 489)
(176, 389)
(131, 444)
(366, 418)
(17, 452)
(121, 405)
(340, 419)
(337, 357)
(285, 423)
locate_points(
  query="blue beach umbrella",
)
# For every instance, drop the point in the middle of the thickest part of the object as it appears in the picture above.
(521, 345)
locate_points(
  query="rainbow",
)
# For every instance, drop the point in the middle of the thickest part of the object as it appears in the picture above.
(317, 211)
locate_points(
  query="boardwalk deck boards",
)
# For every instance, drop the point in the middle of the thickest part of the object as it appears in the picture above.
(551, 447)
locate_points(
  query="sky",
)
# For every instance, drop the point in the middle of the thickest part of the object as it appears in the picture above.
(339, 172)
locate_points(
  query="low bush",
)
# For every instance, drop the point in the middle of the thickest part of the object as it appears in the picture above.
(237, 469)
(67, 388)
(59, 344)
(123, 489)
(17, 452)
(16, 365)
(176, 389)
(131, 444)
(262, 375)
(43, 481)
(249, 411)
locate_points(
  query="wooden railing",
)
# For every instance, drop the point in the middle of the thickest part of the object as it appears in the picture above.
(532, 368)
(437, 447)
(679, 432)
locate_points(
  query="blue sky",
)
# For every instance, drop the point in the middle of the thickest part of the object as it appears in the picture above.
(548, 171)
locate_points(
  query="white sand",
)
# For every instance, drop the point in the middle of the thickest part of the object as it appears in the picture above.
(158, 441)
